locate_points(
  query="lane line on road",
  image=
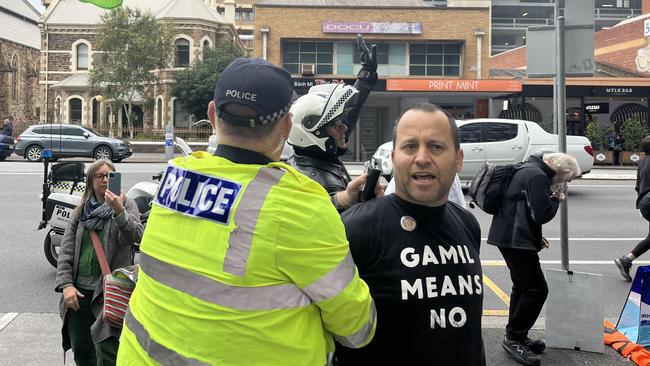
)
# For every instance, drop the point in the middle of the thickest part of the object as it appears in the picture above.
(497, 290)
(590, 239)
(6, 320)
(502, 263)
(21, 173)
(501, 312)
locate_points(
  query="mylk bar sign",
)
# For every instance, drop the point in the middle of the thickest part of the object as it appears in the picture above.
(371, 27)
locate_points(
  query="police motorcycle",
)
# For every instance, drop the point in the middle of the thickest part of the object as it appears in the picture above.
(63, 186)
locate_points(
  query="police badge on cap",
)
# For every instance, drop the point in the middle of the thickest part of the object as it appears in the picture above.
(255, 83)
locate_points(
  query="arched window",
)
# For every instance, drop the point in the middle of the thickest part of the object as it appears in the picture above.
(14, 78)
(206, 44)
(82, 56)
(182, 52)
(75, 111)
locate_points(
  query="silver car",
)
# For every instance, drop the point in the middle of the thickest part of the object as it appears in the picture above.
(70, 141)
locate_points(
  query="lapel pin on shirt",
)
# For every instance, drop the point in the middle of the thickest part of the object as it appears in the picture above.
(408, 223)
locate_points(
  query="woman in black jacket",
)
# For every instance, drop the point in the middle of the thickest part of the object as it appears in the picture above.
(642, 187)
(532, 199)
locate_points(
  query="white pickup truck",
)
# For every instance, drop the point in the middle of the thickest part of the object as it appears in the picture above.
(501, 142)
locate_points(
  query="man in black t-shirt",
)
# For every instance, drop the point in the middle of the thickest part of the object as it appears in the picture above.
(419, 254)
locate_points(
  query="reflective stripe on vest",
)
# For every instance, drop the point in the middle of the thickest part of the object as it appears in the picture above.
(156, 351)
(357, 339)
(333, 282)
(246, 219)
(233, 297)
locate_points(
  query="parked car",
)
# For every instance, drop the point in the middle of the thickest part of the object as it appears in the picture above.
(6, 146)
(70, 141)
(501, 142)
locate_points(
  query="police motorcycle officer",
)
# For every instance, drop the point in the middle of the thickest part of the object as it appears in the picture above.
(323, 119)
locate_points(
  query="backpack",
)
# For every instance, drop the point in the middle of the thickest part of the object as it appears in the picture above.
(489, 186)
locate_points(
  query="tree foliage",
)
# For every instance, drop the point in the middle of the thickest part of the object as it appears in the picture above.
(632, 132)
(597, 134)
(133, 45)
(194, 86)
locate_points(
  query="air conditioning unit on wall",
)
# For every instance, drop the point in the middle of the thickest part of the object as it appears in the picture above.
(307, 69)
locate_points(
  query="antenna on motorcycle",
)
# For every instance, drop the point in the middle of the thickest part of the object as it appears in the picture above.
(183, 146)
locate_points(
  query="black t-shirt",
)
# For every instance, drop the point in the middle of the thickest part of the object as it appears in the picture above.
(423, 269)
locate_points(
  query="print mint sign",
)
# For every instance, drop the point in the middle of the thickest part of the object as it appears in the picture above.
(372, 27)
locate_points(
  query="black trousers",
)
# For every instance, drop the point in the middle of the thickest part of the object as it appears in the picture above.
(642, 246)
(529, 291)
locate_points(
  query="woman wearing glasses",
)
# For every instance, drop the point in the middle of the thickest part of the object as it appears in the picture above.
(79, 277)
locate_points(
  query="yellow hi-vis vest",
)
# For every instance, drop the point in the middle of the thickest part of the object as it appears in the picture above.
(243, 264)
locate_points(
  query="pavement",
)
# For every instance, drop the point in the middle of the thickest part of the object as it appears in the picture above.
(34, 339)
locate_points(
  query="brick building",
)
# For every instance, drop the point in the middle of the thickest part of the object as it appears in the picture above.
(619, 88)
(425, 54)
(19, 60)
(68, 29)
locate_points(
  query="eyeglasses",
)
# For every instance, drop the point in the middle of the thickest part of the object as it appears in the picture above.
(101, 176)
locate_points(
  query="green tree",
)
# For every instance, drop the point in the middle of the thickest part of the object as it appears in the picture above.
(194, 86)
(597, 134)
(133, 45)
(632, 132)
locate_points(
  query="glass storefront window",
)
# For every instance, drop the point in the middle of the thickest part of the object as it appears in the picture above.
(391, 58)
(435, 58)
(320, 54)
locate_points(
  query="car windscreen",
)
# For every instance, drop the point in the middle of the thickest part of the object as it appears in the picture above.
(94, 131)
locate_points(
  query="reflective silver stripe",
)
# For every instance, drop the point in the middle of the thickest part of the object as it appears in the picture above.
(357, 339)
(234, 297)
(246, 219)
(333, 282)
(158, 352)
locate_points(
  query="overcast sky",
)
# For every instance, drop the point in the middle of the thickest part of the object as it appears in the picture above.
(37, 5)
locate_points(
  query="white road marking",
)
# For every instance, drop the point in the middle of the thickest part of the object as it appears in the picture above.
(591, 239)
(501, 262)
(6, 320)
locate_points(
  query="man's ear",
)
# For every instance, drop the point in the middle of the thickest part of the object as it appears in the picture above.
(212, 114)
(460, 155)
(287, 125)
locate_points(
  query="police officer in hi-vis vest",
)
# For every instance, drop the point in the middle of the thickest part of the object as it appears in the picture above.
(244, 260)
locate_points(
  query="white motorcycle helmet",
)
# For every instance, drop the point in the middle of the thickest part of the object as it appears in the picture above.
(313, 111)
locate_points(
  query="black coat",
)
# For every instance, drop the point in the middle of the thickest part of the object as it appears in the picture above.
(7, 130)
(527, 207)
(642, 180)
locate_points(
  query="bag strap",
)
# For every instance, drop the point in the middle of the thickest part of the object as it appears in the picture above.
(103, 263)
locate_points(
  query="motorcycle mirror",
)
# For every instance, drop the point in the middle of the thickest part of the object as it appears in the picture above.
(183, 146)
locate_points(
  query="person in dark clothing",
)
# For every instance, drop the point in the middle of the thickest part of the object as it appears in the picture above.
(532, 199)
(616, 146)
(642, 188)
(419, 254)
(323, 119)
(7, 128)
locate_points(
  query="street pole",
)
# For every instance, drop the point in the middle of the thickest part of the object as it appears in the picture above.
(561, 126)
(169, 141)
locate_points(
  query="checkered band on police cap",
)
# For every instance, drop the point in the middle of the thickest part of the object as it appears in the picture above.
(255, 83)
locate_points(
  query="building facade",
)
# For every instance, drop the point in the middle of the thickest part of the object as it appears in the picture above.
(241, 14)
(619, 89)
(68, 36)
(425, 54)
(19, 60)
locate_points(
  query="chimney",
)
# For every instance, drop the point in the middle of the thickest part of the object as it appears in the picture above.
(645, 7)
(46, 3)
(229, 11)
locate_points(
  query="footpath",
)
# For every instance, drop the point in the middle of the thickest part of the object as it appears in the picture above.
(34, 339)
